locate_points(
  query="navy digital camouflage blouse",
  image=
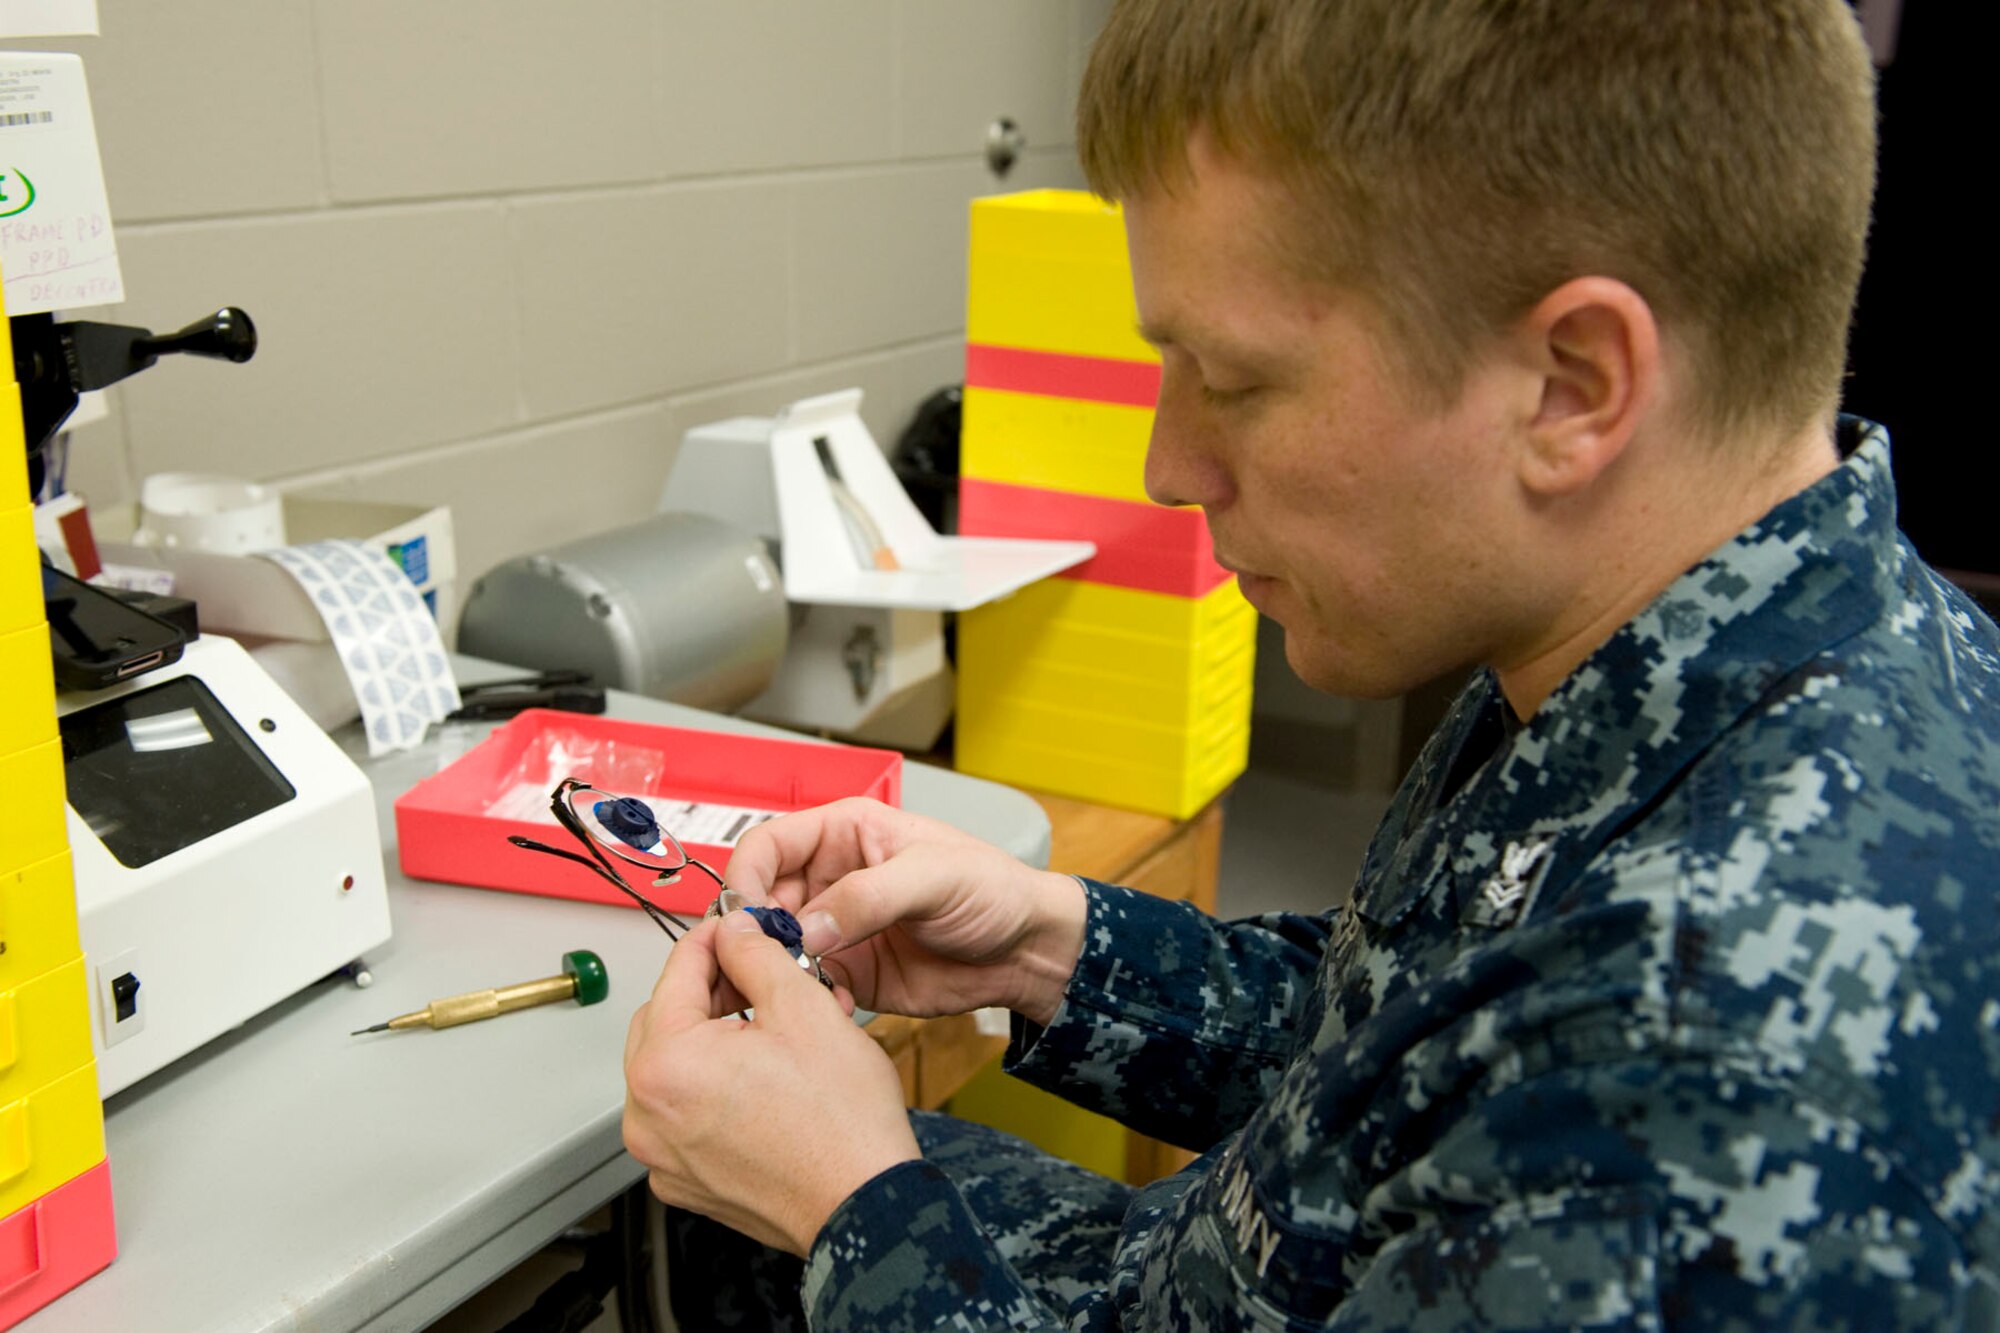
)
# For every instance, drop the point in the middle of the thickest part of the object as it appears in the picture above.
(1674, 1007)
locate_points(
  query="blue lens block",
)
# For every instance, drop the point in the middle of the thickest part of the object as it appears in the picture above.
(781, 926)
(629, 820)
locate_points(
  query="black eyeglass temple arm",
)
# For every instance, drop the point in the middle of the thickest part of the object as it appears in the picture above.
(665, 920)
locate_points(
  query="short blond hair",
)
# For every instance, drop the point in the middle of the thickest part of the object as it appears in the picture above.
(1457, 160)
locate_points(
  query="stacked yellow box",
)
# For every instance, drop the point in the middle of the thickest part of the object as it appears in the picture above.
(1127, 680)
(55, 1186)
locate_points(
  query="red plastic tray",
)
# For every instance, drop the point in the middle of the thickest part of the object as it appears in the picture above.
(446, 828)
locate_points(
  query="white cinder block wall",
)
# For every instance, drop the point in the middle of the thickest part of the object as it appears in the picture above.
(502, 253)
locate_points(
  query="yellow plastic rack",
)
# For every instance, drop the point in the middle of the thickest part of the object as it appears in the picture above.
(51, 1118)
(1047, 270)
(37, 920)
(1128, 698)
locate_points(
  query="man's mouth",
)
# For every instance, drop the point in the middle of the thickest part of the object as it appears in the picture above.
(1237, 568)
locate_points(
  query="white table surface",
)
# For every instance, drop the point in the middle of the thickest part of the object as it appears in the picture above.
(290, 1176)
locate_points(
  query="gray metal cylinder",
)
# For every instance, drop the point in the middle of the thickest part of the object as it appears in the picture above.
(681, 607)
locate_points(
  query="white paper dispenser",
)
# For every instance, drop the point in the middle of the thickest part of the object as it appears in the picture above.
(867, 576)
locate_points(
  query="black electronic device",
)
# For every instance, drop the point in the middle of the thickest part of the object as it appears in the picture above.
(98, 640)
(176, 611)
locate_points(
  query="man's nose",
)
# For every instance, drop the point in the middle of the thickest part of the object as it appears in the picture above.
(1182, 463)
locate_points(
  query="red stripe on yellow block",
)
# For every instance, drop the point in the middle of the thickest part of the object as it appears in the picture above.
(1139, 544)
(1095, 379)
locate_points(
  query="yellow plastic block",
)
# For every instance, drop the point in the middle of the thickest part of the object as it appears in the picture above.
(1050, 751)
(50, 1136)
(1089, 668)
(1180, 694)
(37, 918)
(28, 689)
(1043, 1119)
(1112, 652)
(1057, 444)
(1104, 757)
(31, 815)
(995, 649)
(20, 570)
(1047, 271)
(1110, 734)
(1128, 698)
(1129, 621)
(44, 1030)
(13, 445)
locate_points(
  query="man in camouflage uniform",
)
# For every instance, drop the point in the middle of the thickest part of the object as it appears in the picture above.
(1665, 994)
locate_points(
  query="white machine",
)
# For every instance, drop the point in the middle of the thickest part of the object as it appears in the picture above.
(867, 577)
(225, 851)
(226, 854)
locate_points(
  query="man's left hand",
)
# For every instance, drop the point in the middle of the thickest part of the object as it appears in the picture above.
(766, 1124)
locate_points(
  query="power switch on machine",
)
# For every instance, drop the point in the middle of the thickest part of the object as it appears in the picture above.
(124, 997)
(118, 997)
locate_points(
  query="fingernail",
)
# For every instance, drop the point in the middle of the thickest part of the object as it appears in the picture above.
(742, 919)
(821, 933)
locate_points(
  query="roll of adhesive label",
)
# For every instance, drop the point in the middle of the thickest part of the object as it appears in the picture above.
(201, 512)
(386, 638)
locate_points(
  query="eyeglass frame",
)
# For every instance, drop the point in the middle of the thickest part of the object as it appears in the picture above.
(565, 815)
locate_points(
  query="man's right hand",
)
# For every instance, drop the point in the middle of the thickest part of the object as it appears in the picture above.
(913, 916)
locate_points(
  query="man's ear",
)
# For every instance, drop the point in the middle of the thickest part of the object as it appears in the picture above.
(1596, 347)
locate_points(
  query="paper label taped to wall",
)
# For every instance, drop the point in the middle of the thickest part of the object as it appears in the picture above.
(386, 638)
(56, 249)
(48, 18)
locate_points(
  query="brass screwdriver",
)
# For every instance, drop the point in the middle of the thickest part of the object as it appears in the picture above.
(582, 979)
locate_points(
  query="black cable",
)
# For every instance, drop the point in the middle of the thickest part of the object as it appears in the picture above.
(665, 920)
(635, 1284)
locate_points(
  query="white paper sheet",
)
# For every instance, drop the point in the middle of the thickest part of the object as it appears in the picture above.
(55, 223)
(48, 18)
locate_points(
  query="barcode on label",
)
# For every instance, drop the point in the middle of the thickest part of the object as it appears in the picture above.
(26, 118)
(716, 825)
